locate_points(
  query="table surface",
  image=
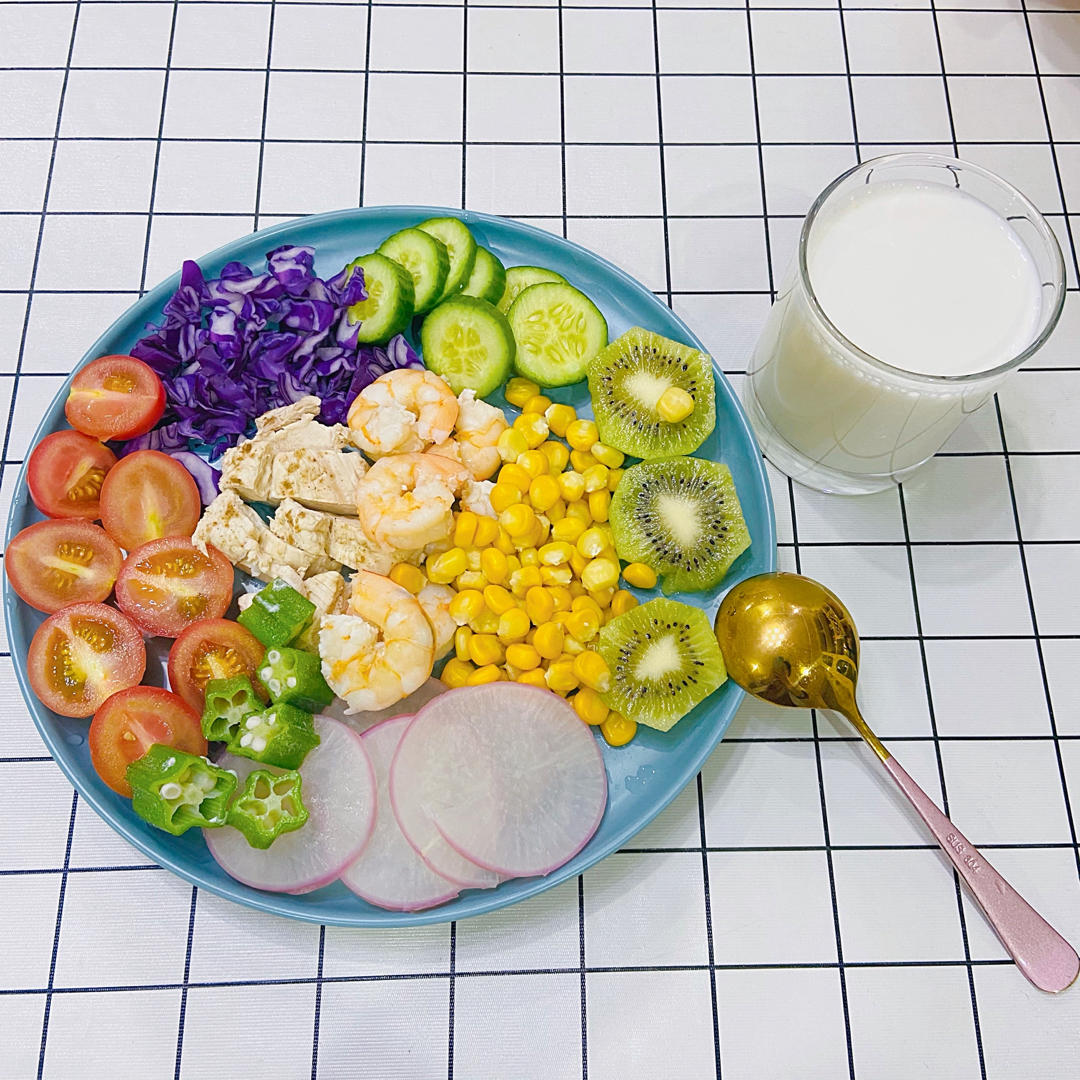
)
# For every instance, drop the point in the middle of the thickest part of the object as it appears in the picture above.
(786, 916)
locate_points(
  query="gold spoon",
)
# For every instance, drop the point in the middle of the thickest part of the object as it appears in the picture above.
(788, 640)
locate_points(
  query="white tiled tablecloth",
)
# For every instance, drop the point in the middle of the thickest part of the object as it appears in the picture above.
(786, 918)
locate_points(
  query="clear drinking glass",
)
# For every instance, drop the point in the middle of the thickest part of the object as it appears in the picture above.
(836, 418)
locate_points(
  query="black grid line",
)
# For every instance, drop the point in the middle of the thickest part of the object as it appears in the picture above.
(318, 1004)
(184, 988)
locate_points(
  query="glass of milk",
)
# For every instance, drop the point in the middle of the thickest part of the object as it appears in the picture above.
(921, 281)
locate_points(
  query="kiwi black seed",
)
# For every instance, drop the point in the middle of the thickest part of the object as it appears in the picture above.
(681, 516)
(664, 659)
(626, 380)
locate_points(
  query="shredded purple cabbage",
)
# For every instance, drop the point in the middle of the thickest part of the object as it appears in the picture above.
(232, 347)
(204, 474)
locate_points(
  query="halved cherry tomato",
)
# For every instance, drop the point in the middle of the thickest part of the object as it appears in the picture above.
(132, 721)
(148, 495)
(212, 649)
(115, 397)
(56, 563)
(168, 584)
(65, 475)
(82, 655)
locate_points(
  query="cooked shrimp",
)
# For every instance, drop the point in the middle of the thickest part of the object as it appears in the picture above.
(406, 500)
(435, 600)
(449, 448)
(476, 497)
(402, 412)
(478, 428)
(382, 650)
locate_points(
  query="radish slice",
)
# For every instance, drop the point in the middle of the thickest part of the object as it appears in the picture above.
(389, 872)
(365, 721)
(510, 777)
(408, 798)
(339, 793)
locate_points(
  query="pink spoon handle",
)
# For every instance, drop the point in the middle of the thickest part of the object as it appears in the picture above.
(1040, 952)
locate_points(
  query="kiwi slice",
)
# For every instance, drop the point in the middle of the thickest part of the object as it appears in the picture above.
(626, 380)
(664, 659)
(681, 516)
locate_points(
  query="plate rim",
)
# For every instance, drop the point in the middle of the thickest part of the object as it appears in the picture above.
(477, 902)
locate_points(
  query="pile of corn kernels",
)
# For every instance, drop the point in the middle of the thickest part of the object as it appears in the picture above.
(535, 584)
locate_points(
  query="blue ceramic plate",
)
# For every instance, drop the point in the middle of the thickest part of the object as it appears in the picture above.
(643, 777)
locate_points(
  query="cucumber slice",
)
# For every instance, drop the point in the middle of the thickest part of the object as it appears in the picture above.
(460, 246)
(521, 277)
(390, 300)
(558, 330)
(469, 343)
(425, 258)
(488, 278)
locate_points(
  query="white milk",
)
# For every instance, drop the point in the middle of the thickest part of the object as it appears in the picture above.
(919, 275)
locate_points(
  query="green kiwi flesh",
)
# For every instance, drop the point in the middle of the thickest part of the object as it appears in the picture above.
(681, 516)
(626, 380)
(664, 659)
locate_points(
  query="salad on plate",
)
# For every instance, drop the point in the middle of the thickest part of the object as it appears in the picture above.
(405, 621)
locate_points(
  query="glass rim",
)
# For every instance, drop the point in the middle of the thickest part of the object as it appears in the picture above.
(952, 163)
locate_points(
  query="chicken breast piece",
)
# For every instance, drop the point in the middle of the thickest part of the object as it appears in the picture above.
(309, 530)
(320, 479)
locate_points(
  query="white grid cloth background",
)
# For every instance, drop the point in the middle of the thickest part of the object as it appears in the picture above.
(786, 917)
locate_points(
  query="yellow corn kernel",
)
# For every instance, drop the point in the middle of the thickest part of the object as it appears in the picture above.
(561, 597)
(498, 599)
(461, 642)
(607, 455)
(407, 576)
(556, 575)
(538, 403)
(571, 485)
(539, 604)
(592, 671)
(556, 553)
(523, 657)
(596, 478)
(544, 492)
(519, 390)
(442, 569)
(457, 672)
(513, 626)
(535, 463)
(617, 730)
(559, 418)
(578, 562)
(466, 606)
(613, 478)
(581, 434)
(549, 639)
(518, 519)
(603, 597)
(639, 575)
(675, 404)
(577, 589)
(521, 581)
(511, 443)
(473, 554)
(571, 647)
(589, 705)
(600, 574)
(568, 529)
(591, 542)
(599, 504)
(541, 532)
(504, 542)
(486, 649)
(560, 677)
(584, 624)
(582, 460)
(464, 533)
(557, 455)
(487, 529)
(581, 603)
(494, 565)
(503, 496)
(556, 511)
(622, 602)
(513, 562)
(579, 509)
(532, 677)
(512, 473)
(533, 426)
(489, 673)
(529, 556)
